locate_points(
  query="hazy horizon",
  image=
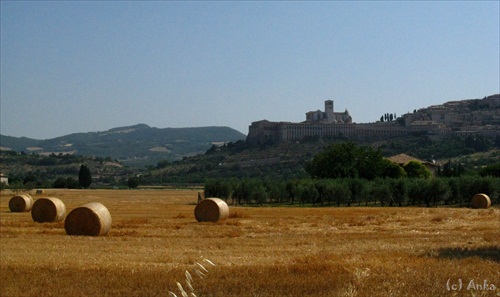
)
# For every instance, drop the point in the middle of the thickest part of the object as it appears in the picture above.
(77, 67)
(132, 125)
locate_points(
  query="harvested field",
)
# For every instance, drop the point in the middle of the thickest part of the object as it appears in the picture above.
(258, 251)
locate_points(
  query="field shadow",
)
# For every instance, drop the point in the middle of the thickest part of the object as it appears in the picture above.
(488, 253)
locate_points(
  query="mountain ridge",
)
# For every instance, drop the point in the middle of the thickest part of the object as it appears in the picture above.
(135, 145)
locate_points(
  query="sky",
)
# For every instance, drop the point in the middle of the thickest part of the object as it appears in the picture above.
(88, 66)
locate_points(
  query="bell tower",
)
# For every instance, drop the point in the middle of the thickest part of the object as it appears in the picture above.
(329, 106)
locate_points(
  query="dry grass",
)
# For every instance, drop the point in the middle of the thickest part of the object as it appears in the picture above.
(260, 251)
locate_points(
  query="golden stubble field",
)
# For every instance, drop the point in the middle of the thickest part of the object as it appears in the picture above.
(258, 251)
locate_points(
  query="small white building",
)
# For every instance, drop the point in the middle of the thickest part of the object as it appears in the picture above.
(4, 179)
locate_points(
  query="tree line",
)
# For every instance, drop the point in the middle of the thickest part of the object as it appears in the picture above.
(347, 174)
(355, 191)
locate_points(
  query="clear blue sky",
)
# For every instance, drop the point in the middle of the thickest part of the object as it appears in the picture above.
(74, 66)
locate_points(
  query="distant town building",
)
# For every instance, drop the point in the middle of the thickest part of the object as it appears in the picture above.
(402, 159)
(475, 116)
(4, 179)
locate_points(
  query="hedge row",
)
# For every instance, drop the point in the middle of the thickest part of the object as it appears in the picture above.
(354, 191)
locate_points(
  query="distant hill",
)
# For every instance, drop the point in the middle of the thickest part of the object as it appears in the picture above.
(286, 160)
(17, 143)
(137, 145)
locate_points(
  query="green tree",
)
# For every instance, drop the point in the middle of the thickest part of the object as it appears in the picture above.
(306, 191)
(416, 191)
(477, 142)
(72, 183)
(399, 192)
(381, 191)
(357, 187)
(133, 182)
(321, 187)
(447, 170)
(59, 183)
(162, 164)
(453, 191)
(276, 191)
(341, 193)
(435, 191)
(497, 141)
(259, 194)
(84, 176)
(246, 188)
(416, 169)
(220, 188)
(491, 170)
(291, 189)
(346, 160)
(393, 169)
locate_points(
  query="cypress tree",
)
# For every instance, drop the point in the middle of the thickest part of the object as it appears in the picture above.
(84, 176)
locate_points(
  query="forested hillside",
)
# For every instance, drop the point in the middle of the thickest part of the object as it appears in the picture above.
(138, 145)
(287, 160)
(29, 171)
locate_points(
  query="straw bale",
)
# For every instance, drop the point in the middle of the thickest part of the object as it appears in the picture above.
(481, 201)
(21, 203)
(91, 219)
(40, 192)
(211, 210)
(48, 209)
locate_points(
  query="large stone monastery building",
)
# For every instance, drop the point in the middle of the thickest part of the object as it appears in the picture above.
(455, 117)
(321, 124)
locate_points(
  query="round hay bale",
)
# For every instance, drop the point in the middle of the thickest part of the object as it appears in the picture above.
(48, 210)
(481, 201)
(40, 192)
(211, 210)
(21, 203)
(91, 219)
